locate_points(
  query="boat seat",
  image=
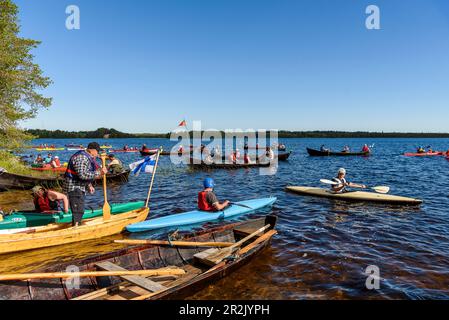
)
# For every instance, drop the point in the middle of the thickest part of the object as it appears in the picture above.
(139, 281)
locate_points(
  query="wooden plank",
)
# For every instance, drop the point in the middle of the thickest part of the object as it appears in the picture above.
(137, 280)
(259, 240)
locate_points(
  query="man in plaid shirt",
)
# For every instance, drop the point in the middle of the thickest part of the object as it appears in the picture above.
(81, 172)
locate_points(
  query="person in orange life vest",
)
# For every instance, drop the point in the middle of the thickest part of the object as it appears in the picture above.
(207, 200)
(46, 201)
(233, 157)
(56, 163)
(366, 148)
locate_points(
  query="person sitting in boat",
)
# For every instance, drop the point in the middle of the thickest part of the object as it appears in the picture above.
(269, 153)
(55, 163)
(48, 159)
(115, 166)
(421, 150)
(247, 158)
(366, 149)
(181, 149)
(237, 154)
(47, 201)
(346, 149)
(233, 157)
(39, 159)
(207, 200)
(343, 183)
(144, 147)
(323, 148)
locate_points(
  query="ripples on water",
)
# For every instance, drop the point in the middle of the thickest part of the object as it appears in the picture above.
(323, 246)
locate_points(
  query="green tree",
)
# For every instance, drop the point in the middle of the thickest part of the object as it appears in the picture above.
(21, 80)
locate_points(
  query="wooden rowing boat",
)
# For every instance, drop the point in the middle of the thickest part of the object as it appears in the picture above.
(54, 235)
(9, 181)
(318, 153)
(193, 260)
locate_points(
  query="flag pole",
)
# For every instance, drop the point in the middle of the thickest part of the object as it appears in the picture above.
(152, 177)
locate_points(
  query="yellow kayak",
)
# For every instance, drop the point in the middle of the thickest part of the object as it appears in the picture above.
(106, 147)
(355, 196)
(50, 149)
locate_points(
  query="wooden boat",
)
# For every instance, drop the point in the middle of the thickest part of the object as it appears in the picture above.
(318, 153)
(9, 181)
(199, 273)
(59, 234)
(284, 156)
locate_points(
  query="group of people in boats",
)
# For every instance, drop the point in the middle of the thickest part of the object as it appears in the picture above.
(346, 149)
(128, 148)
(45, 146)
(82, 171)
(49, 160)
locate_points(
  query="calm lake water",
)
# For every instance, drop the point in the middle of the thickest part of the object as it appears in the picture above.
(323, 246)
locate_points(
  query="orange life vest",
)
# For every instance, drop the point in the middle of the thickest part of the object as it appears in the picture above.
(203, 205)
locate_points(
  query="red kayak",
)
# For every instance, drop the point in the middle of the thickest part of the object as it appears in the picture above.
(426, 154)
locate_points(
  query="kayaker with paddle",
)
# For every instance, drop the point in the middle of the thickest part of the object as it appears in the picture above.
(47, 201)
(342, 183)
(366, 149)
(81, 172)
(207, 200)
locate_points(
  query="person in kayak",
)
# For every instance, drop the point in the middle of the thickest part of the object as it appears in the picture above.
(55, 163)
(366, 149)
(323, 148)
(48, 159)
(346, 149)
(207, 200)
(115, 166)
(343, 183)
(81, 172)
(47, 201)
(421, 150)
(144, 147)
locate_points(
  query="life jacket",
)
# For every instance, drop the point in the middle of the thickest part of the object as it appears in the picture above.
(44, 203)
(341, 182)
(203, 205)
(246, 158)
(71, 173)
(57, 163)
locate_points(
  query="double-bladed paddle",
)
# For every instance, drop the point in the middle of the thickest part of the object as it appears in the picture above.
(379, 189)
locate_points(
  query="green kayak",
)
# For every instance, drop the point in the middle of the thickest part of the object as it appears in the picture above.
(33, 219)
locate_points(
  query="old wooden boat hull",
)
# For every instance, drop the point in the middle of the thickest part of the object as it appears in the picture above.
(27, 219)
(60, 234)
(318, 153)
(198, 275)
(356, 196)
(196, 216)
(9, 181)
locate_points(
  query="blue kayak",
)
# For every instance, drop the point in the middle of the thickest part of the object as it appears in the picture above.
(194, 217)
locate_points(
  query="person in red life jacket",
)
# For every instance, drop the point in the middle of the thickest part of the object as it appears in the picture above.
(207, 200)
(246, 158)
(366, 148)
(46, 201)
(56, 163)
(81, 172)
(233, 157)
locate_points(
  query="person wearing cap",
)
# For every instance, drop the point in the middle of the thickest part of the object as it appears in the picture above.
(81, 172)
(207, 200)
(115, 166)
(343, 183)
(48, 159)
(47, 201)
(55, 163)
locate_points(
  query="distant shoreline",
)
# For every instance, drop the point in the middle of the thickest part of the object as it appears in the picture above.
(103, 133)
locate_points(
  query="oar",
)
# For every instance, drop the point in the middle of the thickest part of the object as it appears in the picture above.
(66, 275)
(106, 206)
(378, 189)
(240, 205)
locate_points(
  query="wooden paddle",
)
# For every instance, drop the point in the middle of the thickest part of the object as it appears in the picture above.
(66, 275)
(106, 206)
(378, 189)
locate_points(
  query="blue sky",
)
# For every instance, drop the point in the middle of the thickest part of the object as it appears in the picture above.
(144, 65)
